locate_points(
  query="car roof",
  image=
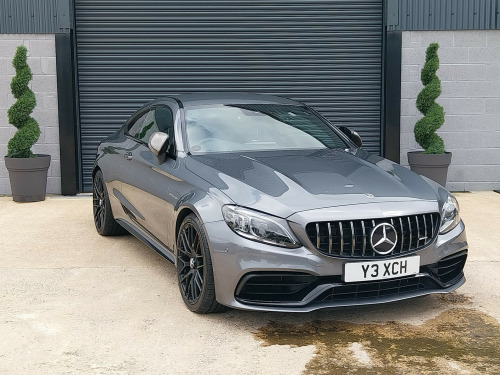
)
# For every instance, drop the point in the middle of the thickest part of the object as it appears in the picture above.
(226, 98)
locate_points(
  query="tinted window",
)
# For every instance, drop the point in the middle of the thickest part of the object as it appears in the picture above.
(251, 127)
(144, 127)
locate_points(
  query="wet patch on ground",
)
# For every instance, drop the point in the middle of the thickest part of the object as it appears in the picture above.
(458, 341)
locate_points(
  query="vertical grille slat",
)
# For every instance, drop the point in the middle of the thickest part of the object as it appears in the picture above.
(351, 239)
(418, 231)
(425, 227)
(402, 235)
(364, 238)
(409, 231)
(330, 244)
(318, 238)
(341, 238)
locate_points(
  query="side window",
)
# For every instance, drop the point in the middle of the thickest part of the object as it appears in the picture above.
(165, 121)
(144, 127)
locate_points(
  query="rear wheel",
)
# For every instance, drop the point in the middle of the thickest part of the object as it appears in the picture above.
(194, 268)
(104, 221)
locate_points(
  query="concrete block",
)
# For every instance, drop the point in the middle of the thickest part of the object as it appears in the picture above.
(483, 89)
(410, 90)
(474, 157)
(49, 101)
(412, 56)
(467, 106)
(55, 168)
(408, 122)
(413, 108)
(3, 149)
(49, 65)
(444, 38)
(48, 149)
(405, 73)
(480, 139)
(6, 133)
(8, 48)
(469, 72)
(51, 135)
(42, 48)
(493, 38)
(44, 83)
(481, 186)
(5, 186)
(35, 64)
(445, 72)
(416, 39)
(4, 99)
(492, 105)
(454, 89)
(453, 55)
(405, 107)
(455, 186)
(484, 55)
(464, 173)
(469, 38)
(446, 103)
(46, 117)
(4, 121)
(406, 39)
(415, 73)
(493, 72)
(53, 185)
(4, 63)
(471, 123)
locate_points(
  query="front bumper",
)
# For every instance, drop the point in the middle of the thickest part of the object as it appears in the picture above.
(255, 276)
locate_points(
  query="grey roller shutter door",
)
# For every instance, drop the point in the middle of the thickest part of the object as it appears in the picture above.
(325, 53)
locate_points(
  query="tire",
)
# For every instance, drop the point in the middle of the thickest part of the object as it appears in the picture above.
(104, 221)
(194, 268)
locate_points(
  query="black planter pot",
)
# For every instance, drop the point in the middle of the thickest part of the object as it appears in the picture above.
(28, 177)
(433, 166)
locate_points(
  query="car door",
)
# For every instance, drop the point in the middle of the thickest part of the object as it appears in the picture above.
(145, 183)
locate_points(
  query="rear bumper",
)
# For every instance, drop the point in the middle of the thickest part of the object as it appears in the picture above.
(254, 276)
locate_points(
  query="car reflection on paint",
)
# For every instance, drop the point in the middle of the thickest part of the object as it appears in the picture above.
(262, 204)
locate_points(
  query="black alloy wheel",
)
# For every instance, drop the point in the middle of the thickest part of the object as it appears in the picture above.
(194, 268)
(103, 216)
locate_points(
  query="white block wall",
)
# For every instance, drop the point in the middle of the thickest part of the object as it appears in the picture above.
(42, 61)
(470, 79)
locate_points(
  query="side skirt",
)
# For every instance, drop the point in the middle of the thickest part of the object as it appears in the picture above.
(148, 240)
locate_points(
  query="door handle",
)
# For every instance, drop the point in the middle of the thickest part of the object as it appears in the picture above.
(128, 156)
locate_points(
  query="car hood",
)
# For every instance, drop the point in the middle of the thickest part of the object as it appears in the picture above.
(282, 183)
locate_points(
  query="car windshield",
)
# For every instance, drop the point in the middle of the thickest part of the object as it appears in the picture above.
(256, 127)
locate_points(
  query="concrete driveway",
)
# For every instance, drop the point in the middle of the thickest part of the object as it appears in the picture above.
(72, 302)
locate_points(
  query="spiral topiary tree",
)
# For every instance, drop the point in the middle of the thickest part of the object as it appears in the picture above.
(425, 128)
(20, 144)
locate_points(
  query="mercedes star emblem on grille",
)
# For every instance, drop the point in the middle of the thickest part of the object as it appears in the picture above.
(383, 238)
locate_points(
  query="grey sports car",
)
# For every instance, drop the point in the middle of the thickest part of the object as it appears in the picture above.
(262, 204)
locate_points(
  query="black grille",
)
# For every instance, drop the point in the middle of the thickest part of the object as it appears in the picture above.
(351, 239)
(449, 268)
(275, 287)
(377, 289)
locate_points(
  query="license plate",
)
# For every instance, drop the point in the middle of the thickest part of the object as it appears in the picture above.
(381, 269)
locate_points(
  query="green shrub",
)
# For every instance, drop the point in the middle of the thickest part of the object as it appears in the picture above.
(425, 128)
(20, 144)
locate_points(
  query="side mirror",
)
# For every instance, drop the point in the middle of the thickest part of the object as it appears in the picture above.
(158, 144)
(352, 135)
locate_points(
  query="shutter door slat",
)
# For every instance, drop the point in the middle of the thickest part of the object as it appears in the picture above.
(325, 53)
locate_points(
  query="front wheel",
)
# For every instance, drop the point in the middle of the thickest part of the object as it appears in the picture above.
(194, 268)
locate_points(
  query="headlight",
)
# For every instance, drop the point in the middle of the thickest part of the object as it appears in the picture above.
(450, 214)
(258, 226)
